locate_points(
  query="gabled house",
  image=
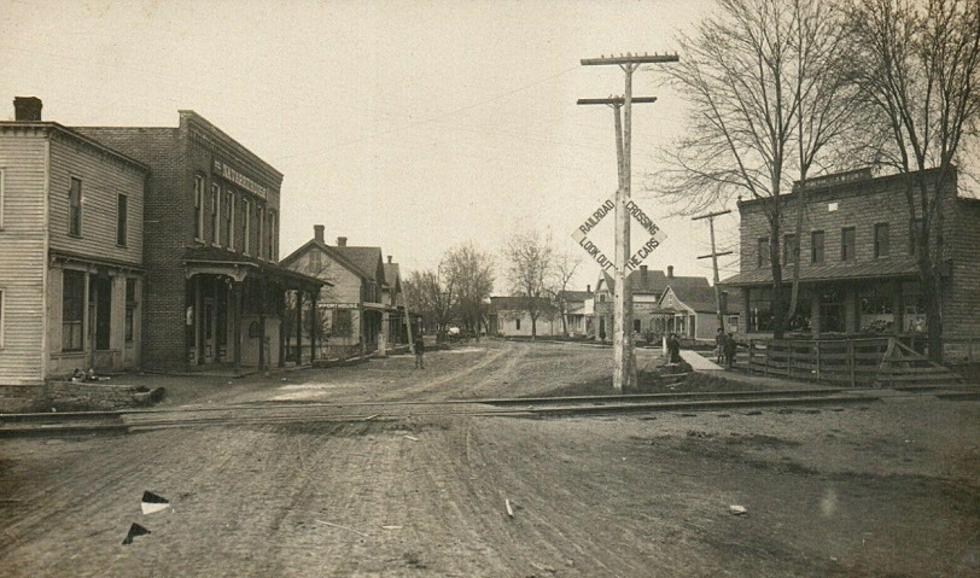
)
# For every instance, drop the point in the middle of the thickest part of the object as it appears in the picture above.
(509, 317)
(578, 310)
(394, 299)
(353, 309)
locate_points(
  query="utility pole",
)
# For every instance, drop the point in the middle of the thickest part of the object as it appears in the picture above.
(622, 311)
(714, 261)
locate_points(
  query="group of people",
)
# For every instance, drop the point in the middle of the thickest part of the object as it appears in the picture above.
(725, 347)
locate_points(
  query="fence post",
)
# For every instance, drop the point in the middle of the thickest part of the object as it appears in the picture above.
(767, 359)
(790, 353)
(850, 360)
(751, 347)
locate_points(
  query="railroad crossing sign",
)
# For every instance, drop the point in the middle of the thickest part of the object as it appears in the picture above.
(581, 236)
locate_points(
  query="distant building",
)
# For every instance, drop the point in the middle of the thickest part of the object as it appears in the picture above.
(687, 309)
(356, 308)
(509, 317)
(71, 251)
(858, 268)
(579, 311)
(215, 293)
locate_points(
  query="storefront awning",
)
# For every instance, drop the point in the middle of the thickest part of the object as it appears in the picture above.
(215, 261)
(889, 267)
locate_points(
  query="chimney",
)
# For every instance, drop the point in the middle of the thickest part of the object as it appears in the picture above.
(588, 289)
(643, 274)
(27, 109)
(341, 241)
(389, 258)
(318, 233)
(670, 271)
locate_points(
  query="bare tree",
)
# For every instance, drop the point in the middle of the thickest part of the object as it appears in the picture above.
(762, 78)
(565, 266)
(429, 295)
(470, 272)
(919, 67)
(530, 262)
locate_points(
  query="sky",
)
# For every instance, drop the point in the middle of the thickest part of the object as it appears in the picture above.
(414, 126)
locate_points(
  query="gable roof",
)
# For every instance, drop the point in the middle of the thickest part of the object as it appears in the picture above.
(576, 295)
(695, 292)
(517, 303)
(366, 259)
(342, 259)
(653, 283)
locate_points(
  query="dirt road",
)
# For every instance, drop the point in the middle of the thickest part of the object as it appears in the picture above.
(887, 489)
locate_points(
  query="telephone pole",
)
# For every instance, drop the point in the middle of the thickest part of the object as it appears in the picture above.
(622, 312)
(714, 261)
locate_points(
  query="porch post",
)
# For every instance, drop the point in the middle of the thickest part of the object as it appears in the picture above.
(299, 327)
(383, 335)
(314, 325)
(815, 313)
(897, 307)
(236, 309)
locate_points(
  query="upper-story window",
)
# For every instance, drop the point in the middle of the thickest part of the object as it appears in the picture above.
(199, 208)
(790, 247)
(122, 219)
(215, 215)
(260, 223)
(816, 247)
(229, 212)
(762, 251)
(847, 246)
(273, 237)
(246, 226)
(75, 207)
(881, 240)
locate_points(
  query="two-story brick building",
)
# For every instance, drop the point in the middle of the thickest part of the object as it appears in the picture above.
(71, 251)
(352, 306)
(215, 292)
(858, 269)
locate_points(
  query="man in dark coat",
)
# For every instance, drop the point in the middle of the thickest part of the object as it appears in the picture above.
(730, 348)
(419, 346)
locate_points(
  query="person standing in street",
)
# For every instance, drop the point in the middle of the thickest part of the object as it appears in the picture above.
(419, 347)
(720, 346)
(730, 348)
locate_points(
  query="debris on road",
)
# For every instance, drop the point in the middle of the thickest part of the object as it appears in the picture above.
(152, 503)
(325, 523)
(134, 531)
(370, 417)
(413, 438)
(737, 510)
(392, 527)
(510, 510)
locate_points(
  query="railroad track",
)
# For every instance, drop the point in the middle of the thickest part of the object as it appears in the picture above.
(270, 413)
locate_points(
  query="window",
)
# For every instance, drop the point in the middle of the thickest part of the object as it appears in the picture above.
(199, 208)
(342, 324)
(847, 244)
(75, 207)
(763, 251)
(215, 215)
(636, 326)
(246, 226)
(230, 220)
(831, 302)
(517, 324)
(122, 218)
(130, 309)
(790, 248)
(915, 229)
(881, 240)
(72, 306)
(1, 317)
(2, 185)
(816, 247)
(260, 223)
(760, 309)
(272, 235)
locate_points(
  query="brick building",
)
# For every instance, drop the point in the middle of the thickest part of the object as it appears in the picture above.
(215, 293)
(858, 266)
(356, 306)
(71, 251)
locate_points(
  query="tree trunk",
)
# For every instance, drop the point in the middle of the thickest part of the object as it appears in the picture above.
(778, 311)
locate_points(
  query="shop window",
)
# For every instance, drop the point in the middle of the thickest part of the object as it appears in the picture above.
(122, 219)
(847, 244)
(75, 207)
(760, 309)
(199, 208)
(253, 330)
(762, 251)
(130, 310)
(816, 247)
(913, 308)
(517, 324)
(831, 310)
(72, 308)
(877, 308)
(881, 240)
(636, 325)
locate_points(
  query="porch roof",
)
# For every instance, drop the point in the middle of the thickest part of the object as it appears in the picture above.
(888, 267)
(217, 260)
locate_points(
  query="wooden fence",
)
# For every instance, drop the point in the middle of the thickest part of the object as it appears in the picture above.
(851, 362)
